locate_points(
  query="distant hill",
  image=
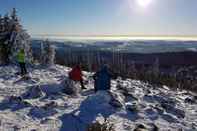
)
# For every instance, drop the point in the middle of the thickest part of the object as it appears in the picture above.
(142, 52)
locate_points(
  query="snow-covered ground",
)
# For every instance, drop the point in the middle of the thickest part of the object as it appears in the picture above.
(24, 107)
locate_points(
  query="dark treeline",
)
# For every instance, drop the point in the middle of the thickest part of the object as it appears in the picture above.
(176, 70)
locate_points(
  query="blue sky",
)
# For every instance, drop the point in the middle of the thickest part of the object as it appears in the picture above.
(105, 17)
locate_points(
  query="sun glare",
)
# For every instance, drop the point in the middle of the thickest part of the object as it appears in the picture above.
(143, 3)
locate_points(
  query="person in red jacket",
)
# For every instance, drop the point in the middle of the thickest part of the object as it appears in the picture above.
(76, 75)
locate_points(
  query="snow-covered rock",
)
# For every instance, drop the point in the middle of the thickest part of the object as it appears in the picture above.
(146, 127)
(190, 100)
(70, 87)
(33, 92)
(132, 107)
(117, 100)
(173, 110)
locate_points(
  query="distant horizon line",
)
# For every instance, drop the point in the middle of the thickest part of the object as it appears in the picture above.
(116, 37)
(191, 36)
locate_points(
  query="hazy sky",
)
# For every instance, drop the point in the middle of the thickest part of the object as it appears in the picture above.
(106, 17)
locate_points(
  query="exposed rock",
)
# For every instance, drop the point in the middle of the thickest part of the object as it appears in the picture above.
(130, 97)
(16, 128)
(190, 100)
(153, 127)
(195, 97)
(132, 107)
(159, 109)
(26, 103)
(97, 126)
(147, 91)
(33, 130)
(146, 127)
(194, 126)
(15, 99)
(140, 127)
(70, 88)
(49, 105)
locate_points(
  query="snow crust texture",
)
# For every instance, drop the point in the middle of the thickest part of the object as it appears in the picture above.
(41, 104)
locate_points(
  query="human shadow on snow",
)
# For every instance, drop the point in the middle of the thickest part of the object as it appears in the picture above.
(89, 110)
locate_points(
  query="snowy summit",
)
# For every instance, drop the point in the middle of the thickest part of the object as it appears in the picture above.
(41, 104)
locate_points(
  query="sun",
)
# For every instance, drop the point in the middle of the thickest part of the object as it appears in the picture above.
(144, 3)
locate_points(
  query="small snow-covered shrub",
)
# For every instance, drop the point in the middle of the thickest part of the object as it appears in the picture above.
(47, 53)
(97, 126)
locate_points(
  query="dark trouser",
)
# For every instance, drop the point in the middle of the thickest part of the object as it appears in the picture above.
(23, 68)
(82, 85)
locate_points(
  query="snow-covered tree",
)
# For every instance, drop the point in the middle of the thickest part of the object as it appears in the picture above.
(153, 73)
(98, 58)
(156, 68)
(13, 38)
(1, 24)
(47, 53)
(89, 61)
(133, 70)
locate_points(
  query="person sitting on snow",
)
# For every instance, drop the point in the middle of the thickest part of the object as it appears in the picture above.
(21, 61)
(76, 75)
(102, 79)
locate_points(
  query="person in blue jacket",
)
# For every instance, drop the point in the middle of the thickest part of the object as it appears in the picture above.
(102, 79)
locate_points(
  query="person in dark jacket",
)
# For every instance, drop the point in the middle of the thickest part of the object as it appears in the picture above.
(21, 61)
(76, 75)
(103, 79)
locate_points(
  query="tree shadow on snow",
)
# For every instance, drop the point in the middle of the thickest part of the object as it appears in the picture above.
(169, 118)
(14, 104)
(169, 105)
(47, 91)
(42, 112)
(51, 89)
